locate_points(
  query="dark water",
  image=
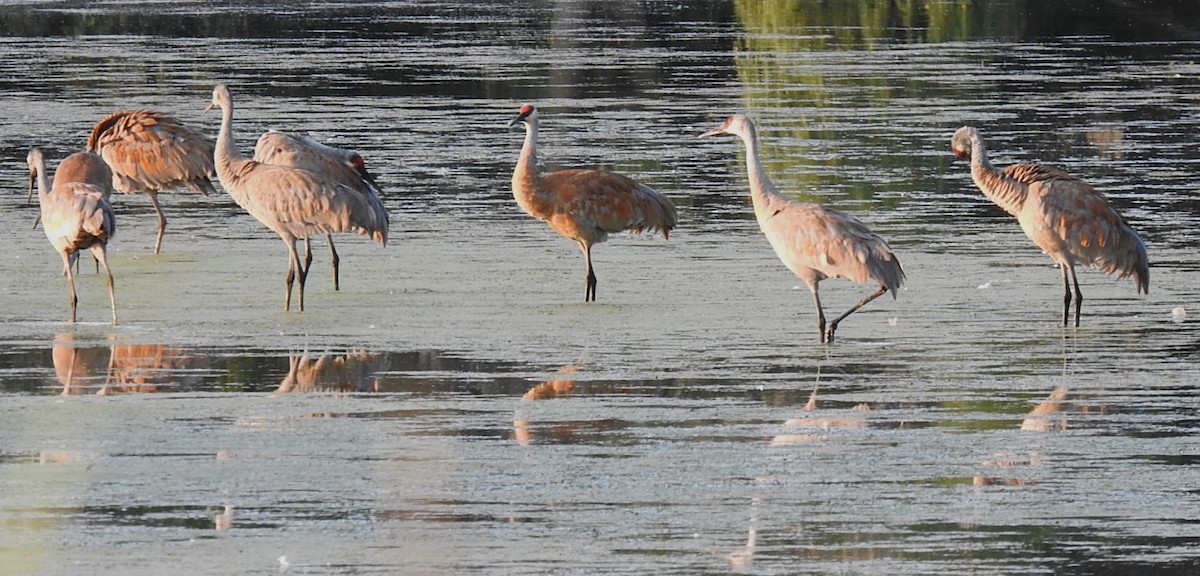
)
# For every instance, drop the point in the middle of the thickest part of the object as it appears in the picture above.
(455, 409)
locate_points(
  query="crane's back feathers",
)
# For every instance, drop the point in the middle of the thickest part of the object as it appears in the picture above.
(300, 202)
(590, 204)
(810, 238)
(151, 151)
(367, 212)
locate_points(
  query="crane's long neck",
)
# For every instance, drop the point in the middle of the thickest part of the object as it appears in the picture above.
(229, 162)
(525, 180)
(43, 180)
(762, 191)
(1002, 189)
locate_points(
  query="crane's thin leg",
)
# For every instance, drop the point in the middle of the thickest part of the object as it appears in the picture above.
(333, 253)
(589, 289)
(820, 313)
(101, 255)
(162, 221)
(1066, 295)
(68, 260)
(833, 325)
(294, 269)
(307, 252)
(293, 261)
(1078, 296)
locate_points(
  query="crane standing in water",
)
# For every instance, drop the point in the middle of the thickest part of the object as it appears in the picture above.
(814, 242)
(293, 202)
(1063, 215)
(149, 152)
(75, 213)
(346, 166)
(585, 205)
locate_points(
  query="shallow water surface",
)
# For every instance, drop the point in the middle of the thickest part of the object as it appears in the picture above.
(455, 408)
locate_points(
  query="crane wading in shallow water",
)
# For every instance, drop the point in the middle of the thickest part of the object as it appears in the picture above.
(1063, 215)
(75, 212)
(345, 166)
(585, 205)
(149, 152)
(293, 202)
(814, 242)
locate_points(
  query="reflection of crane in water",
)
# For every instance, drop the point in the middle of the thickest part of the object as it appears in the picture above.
(585, 205)
(814, 242)
(292, 202)
(1063, 215)
(344, 166)
(150, 152)
(122, 368)
(75, 213)
(354, 371)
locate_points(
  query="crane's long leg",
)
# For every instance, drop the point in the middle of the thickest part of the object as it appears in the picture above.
(293, 262)
(820, 312)
(589, 289)
(307, 252)
(162, 220)
(1078, 295)
(294, 270)
(74, 301)
(101, 254)
(833, 325)
(1066, 316)
(333, 253)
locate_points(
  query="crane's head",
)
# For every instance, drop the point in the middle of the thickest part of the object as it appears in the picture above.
(37, 163)
(359, 165)
(963, 141)
(735, 125)
(221, 98)
(527, 115)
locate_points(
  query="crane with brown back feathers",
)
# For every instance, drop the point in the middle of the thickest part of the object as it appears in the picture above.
(585, 205)
(293, 202)
(346, 166)
(149, 152)
(814, 242)
(75, 213)
(1066, 217)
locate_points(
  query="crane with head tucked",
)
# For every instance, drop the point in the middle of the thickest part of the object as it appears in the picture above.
(1066, 217)
(346, 166)
(293, 202)
(814, 242)
(75, 213)
(149, 152)
(585, 205)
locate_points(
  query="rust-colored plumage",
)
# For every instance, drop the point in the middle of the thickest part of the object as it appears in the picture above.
(149, 152)
(345, 166)
(814, 242)
(75, 213)
(293, 202)
(585, 205)
(1063, 215)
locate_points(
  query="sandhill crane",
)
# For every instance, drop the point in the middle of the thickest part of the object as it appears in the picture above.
(151, 151)
(585, 205)
(1063, 215)
(75, 212)
(345, 166)
(814, 242)
(293, 202)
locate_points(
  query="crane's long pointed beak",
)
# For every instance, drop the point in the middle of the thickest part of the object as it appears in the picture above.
(713, 132)
(520, 118)
(209, 107)
(370, 180)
